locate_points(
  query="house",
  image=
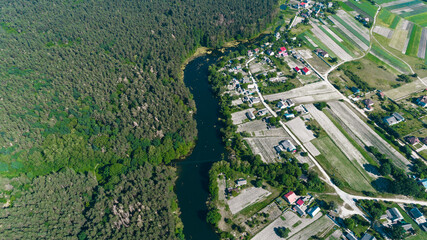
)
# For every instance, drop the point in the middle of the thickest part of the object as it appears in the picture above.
(321, 52)
(368, 102)
(424, 183)
(291, 197)
(277, 36)
(424, 140)
(350, 236)
(288, 146)
(290, 103)
(250, 115)
(305, 71)
(282, 52)
(313, 211)
(395, 118)
(285, 104)
(299, 210)
(246, 80)
(303, 5)
(381, 94)
(278, 148)
(254, 100)
(241, 182)
(269, 52)
(256, 50)
(408, 227)
(330, 4)
(250, 53)
(252, 86)
(412, 140)
(355, 90)
(296, 69)
(369, 108)
(289, 115)
(417, 215)
(262, 112)
(367, 236)
(422, 101)
(300, 202)
(394, 215)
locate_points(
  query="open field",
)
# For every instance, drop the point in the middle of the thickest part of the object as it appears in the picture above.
(239, 117)
(398, 40)
(299, 128)
(386, 17)
(392, 2)
(325, 39)
(264, 146)
(423, 44)
(367, 135)
(365, 7)
(386, 57)
(318, 43)
(348, 48)
(383, 31)
(319, 227)
(414, 41)
(258, 128)
(337, 164)
(290, 219)
(315, 92)
(246, 198)
(405, 90)
(350, 35)
(354, 26)
(420, 19)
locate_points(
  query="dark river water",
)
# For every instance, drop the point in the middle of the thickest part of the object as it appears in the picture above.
(193, 179)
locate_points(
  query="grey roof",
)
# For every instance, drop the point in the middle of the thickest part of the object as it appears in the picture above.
(398, 116)
(299, 210)
(350, 236)
(367, 236)
(394, 214)
(286, 144)
(407, 227)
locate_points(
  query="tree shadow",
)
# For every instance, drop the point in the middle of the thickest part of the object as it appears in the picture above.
(371, 169)
(382, 184)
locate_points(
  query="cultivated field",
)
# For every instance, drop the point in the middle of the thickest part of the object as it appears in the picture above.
(398, 40)
(332, 45)
(264, 146)
(349, 34)
(366, 135)
(239, 117)
(319, 227)
(299, 128)
(290, 220)
(246, 198)
(315, 92)
(405, 90)
(258, 128)
(423, 44)
(383, 31)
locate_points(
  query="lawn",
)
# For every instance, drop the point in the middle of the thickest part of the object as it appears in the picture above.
(414, 41)
(339, 166)
(355, 32)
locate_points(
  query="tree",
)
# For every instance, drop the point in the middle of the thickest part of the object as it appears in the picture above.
(282, 232)
(396, 232)
(213, 216)
(349, 223)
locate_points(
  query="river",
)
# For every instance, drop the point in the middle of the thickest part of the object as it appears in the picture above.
(193, 179)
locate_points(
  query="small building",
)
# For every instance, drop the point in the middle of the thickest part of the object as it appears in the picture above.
(241, 182)
(395, 118)
(368, 102)
(269, 52)
(296, 69)
(422, 101)
(321, 52)
(424, 183)
(256, 50)
(394, 215)
(350, 236)
(298, 210)
(368, 236)
(290, 197)
(381, 94)
(305, 71)
(288, 146)
(417, 215)
(285, 104)
(408, 227)
(252, 86)
(246, 80)
(424, 140)
(262, 112)
(355, 90)
(300, 202)
(303, 5)
(250, 115)
(254, 100)
(278, 148)
(412, 140)
(250, 53)
(282, 52)
(289, 115)
(277, 35)
(313, 211)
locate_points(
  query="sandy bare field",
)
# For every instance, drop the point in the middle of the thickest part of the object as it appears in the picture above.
(331, 44)
(400, 35)
(264, 146)
(383, 31)
(238, 117)
(258, 128)
(246, 198)
(290, 219)
(299, 128)
(368, 136)
(314, 92)
(318, 226)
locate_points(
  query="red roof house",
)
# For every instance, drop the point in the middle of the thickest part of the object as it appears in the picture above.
(291, 197)
(282, 49)
(300, 202)
(305, 71)
(297, 69)
(412, 140)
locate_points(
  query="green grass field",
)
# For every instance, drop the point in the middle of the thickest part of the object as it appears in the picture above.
(396, 21)
(414, 41)
(386, 17)
(354, 31)
(402, 5)
(420, 19)
(415, 12)
(365, 6)
(345, 6)
(383, 1)
(339, 166)
(389, 59)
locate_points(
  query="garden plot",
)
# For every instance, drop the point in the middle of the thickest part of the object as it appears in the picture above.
(319, 227)
(399, 39)
(305, 53)
(256, 67)
(366, 135)
(363, 31)
(246, 198)
(264, 146)
(383, 31)
(335, 235)
(310, 41)
(349, 34)
(299, 128)
(258, 128)
(331, 44)
(314, 92)
(288, 221)
(423, 44)
(239, 117)
(332, 33)
(389, 4)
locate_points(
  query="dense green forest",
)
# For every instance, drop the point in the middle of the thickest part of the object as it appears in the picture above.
(95, 86)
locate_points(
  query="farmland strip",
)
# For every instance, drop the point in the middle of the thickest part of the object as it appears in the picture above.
(423, 44)
(350, 35)
(394, 3)
(341, 53)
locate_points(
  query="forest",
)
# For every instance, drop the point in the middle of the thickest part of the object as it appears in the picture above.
(96, 86)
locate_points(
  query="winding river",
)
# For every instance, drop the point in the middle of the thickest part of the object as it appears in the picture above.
(192, 182)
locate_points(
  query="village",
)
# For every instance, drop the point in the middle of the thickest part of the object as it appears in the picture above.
(295, 99)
